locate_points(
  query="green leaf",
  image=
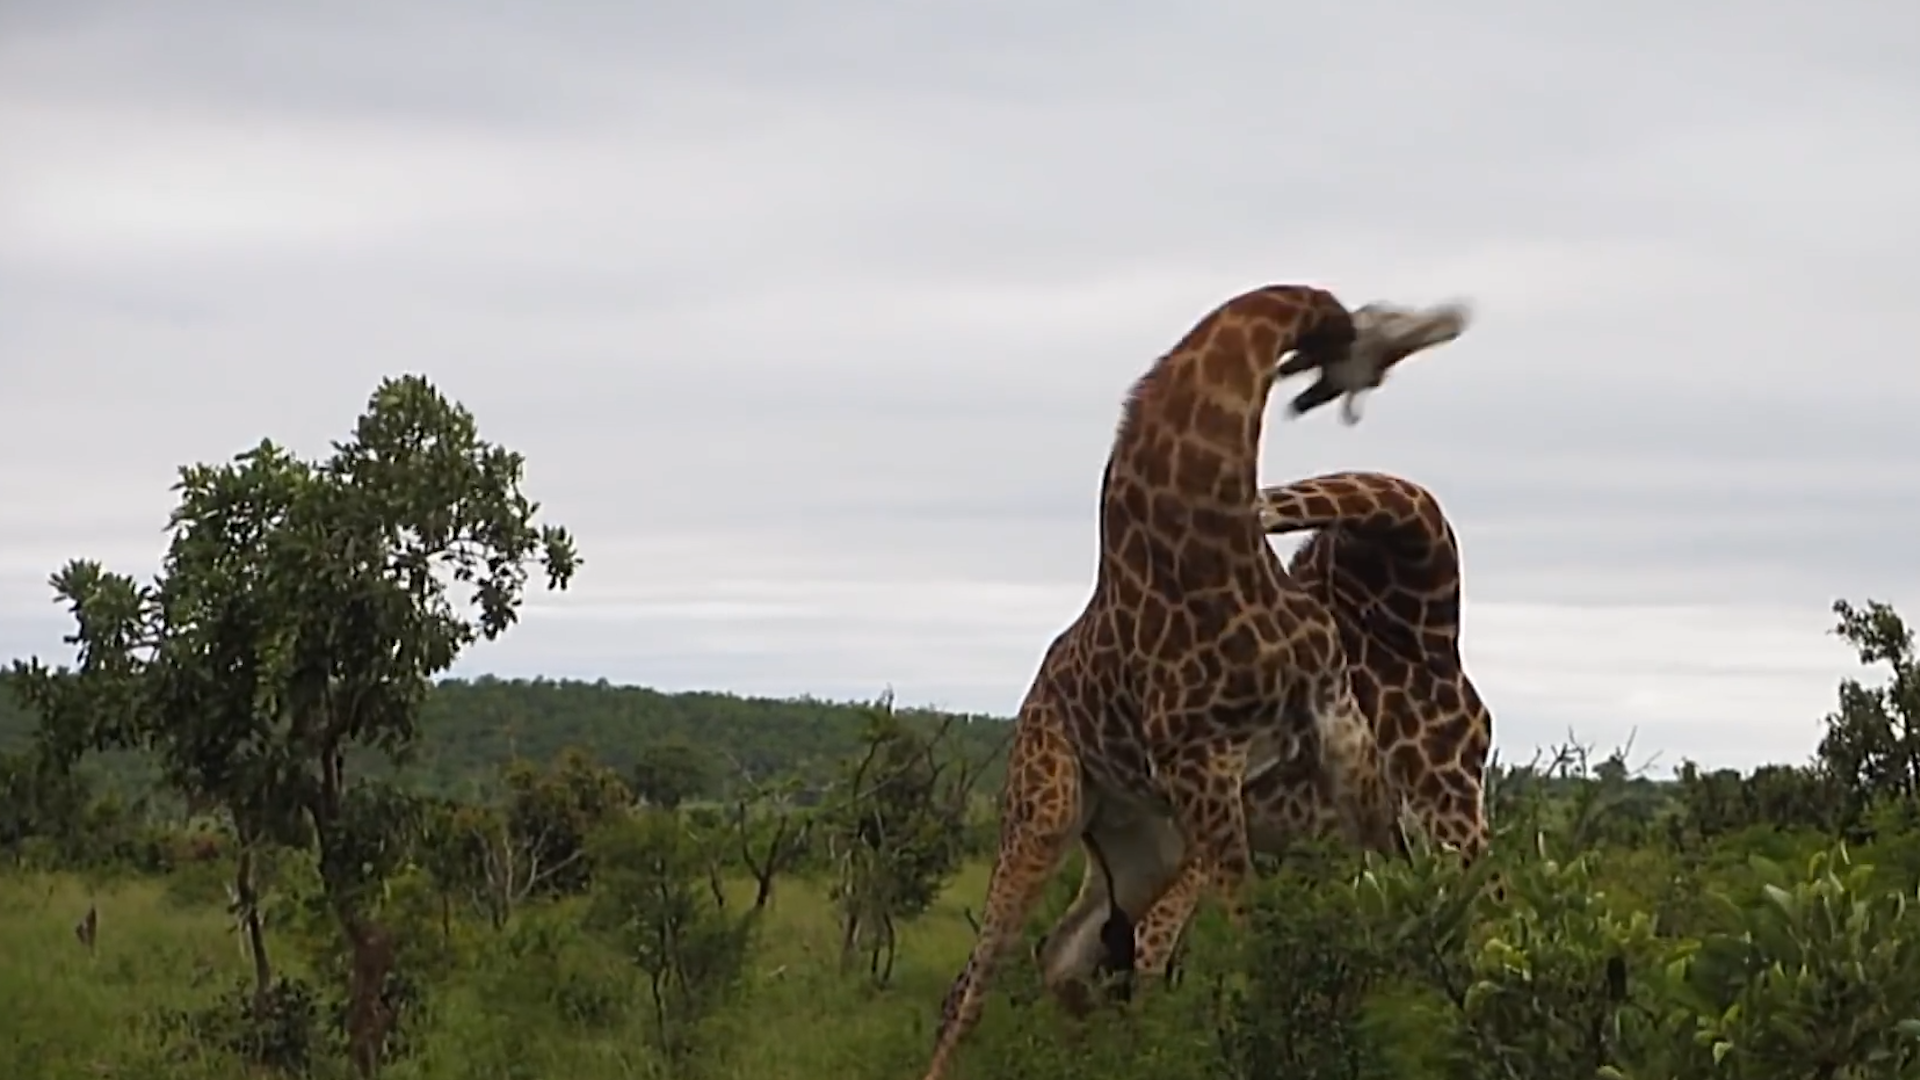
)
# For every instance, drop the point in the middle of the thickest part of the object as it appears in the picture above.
(1784, 1026)
(1768, 871)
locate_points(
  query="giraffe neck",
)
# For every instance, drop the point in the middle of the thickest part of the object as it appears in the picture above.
(1185, 459)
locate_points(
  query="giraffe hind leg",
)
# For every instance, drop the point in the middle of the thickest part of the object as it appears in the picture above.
(1041, 814)
(1455, 813)
(1457, 816)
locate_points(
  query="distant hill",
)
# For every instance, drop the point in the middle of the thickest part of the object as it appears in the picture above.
(471, 727)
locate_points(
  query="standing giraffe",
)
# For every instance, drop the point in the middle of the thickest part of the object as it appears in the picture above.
(1197, 662)
(1386, 563)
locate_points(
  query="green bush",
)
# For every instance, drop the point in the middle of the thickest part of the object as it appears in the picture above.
(1405, 969)
(652, 902)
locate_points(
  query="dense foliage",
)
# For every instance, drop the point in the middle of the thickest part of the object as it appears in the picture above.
(469, 728)
(530, 879)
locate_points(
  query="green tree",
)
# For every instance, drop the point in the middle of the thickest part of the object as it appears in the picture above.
(549, 814)
(531, 843)
(301, 610)
(43, 804)
(897, 830)
(650, 898)
(773, 835)
(453, 851)
(671, 772)
(1872, 743)
(1819, 975)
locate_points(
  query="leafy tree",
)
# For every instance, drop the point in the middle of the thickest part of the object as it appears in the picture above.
(1872, 743)
(898, 830)
(38, 802)
(469, 729)
(530, 844)
(650, 897)
(773, 834)
(1817, 976)
(301, 610)
(453, 851)
(1715, 803)
(671, 772)
(549, 814)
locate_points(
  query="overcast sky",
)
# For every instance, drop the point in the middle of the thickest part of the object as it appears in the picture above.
(814, 319)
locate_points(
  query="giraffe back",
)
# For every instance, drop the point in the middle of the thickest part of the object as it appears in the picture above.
(1385, 561)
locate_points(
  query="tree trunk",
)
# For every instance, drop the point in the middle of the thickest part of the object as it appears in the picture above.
(888, 942)
(849, 939)
(369, 1018)
(248, 901)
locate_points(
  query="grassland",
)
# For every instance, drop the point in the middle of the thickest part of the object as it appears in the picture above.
(69, 1015)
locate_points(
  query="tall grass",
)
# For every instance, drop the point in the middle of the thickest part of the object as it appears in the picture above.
(515, 1006)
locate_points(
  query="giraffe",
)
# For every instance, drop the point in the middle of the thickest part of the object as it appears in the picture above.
(1197, 661)
(1386, 562)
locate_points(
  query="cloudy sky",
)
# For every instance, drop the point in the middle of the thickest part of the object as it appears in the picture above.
(814, 319)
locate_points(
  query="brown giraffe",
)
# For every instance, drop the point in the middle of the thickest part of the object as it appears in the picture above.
(1386, 562)
(1197, 660)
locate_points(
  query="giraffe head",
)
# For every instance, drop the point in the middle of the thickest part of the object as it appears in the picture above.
(1384, 335)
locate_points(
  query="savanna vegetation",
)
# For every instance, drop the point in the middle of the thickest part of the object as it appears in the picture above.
(247, 833)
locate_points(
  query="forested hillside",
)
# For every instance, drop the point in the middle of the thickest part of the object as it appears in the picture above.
(470, 728)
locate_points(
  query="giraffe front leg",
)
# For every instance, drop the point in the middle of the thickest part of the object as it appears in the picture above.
(1133, 855)
(1158, 934)
(1204, 784)
(1072, 951)
(1041, 814)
